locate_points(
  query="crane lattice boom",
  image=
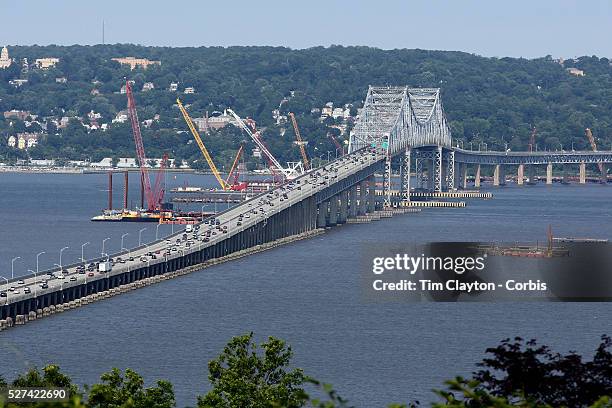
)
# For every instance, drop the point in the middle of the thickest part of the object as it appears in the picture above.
(234, 170)
(589, 136)
(140, 153)
(287, 172)
(300, 142)
(158, 191)
(198, 139)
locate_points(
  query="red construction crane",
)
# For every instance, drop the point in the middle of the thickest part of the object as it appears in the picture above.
(153, 196)
(234, 173)
(337, 144)
(158, 190)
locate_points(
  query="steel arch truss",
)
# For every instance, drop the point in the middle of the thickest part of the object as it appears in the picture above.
(394, 118)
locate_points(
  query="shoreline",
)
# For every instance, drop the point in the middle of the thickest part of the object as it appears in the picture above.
(100, 170)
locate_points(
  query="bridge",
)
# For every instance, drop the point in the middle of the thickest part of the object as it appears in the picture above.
(396, 122)
(410, 123)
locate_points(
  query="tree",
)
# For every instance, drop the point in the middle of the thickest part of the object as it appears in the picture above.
(245, 375)
(537, 374)
(117, 391)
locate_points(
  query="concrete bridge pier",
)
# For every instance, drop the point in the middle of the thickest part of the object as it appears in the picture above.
(464, 176)
(343, 211)
(499, 175)
(549, 173)
(333, 212)
(604, 174)
(322, 214)
(458, 173)
(371, 206)
(477, 177)
(362, 198)
(582, 173)
(352, 210)
(520, 174)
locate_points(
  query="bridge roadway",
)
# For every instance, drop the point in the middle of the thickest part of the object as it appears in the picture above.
(557, 157)
(295, 207)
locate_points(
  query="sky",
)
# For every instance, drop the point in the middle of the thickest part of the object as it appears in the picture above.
(515, 28)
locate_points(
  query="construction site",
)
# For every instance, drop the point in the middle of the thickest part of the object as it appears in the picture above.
(230, 189)
(438, 184)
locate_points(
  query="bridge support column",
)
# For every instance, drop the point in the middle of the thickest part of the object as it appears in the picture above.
(343, 214)
(406, 176)
(450, 171)
(372, 194)
(549, 173)
(477, 177)
(458, 173)
(520, 174)
(361, 209)
(531, 178)
(352, 202)
(438, 169)
(604, 173)
(333, 211)
(386, 184)
(322, 216)
(464, 176)
(496, 172)
(430, 177)
(582, 173)
(418, 172)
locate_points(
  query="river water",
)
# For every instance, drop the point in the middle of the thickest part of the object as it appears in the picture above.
(307, 293)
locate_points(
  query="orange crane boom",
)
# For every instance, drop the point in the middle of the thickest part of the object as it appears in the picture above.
(300, 142)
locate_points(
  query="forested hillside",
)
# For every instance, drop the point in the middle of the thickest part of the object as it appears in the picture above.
(492, 100)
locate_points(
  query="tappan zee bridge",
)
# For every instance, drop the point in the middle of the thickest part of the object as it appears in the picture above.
(397, 124)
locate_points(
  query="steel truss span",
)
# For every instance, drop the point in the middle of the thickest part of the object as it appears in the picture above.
(396, 118)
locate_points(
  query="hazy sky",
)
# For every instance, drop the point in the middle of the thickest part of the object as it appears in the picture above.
(527, 28)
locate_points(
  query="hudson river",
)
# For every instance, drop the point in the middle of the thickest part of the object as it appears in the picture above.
(307, 293)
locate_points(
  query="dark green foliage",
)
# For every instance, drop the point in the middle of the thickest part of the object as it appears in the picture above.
(492, 100)
(246, 375)
(518, 374)
(540, 375)
(117, 390)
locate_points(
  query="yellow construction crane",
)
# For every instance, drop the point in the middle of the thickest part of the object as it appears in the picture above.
(198, 139)
(589, 136)
(300, 142)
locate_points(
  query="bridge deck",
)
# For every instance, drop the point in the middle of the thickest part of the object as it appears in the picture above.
(254, 211)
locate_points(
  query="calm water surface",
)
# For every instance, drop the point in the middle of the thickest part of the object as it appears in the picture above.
(307, 293)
